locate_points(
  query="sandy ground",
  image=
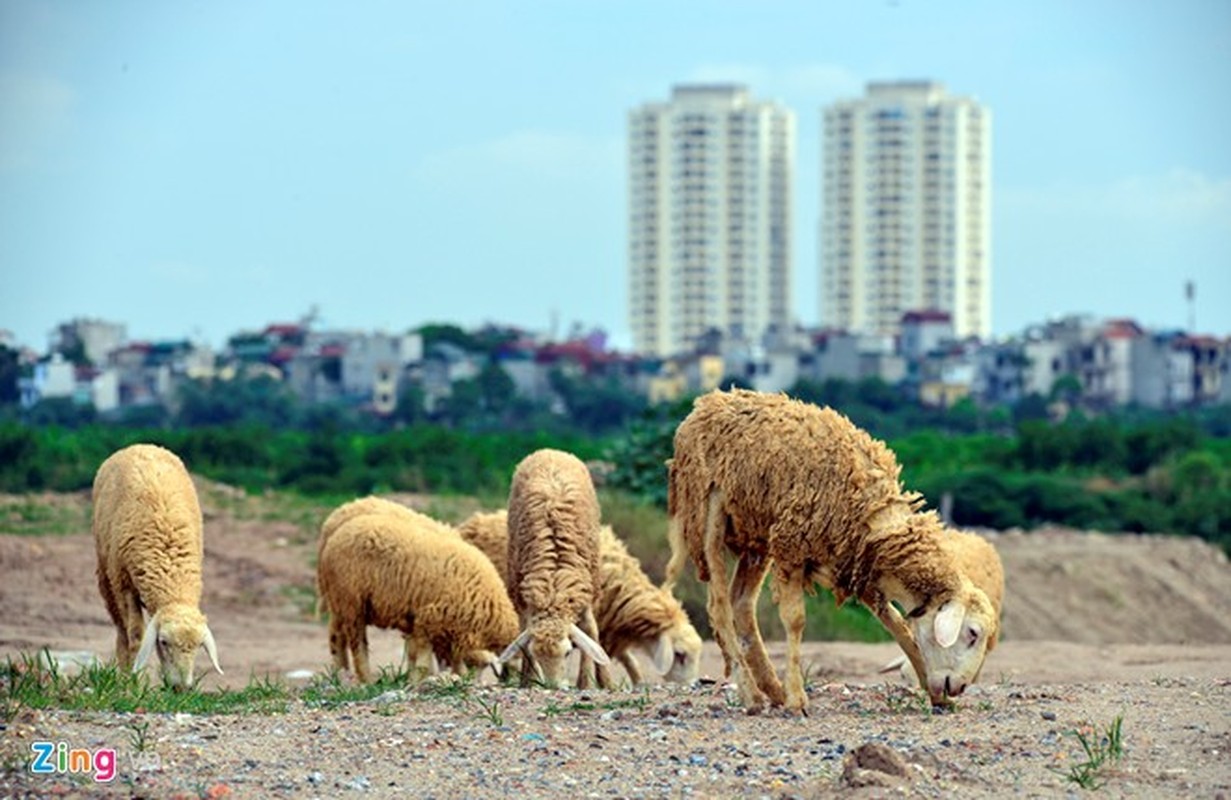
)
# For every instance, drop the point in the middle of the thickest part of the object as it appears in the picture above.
(1095, 627)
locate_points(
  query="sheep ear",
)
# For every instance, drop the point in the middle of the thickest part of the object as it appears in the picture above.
(664, 653)
(515, 647)
(147, 644)
(948, 623)
(588, 646)
(211, 649)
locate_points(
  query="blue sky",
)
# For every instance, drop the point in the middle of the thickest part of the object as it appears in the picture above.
(192, 169)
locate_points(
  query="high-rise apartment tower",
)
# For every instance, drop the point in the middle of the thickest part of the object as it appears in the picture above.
(709, 218)
(906, 211)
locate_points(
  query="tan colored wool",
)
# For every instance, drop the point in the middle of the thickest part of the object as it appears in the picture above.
(553, 519)
(440, 592)
(359, 507)
(148, 537)
(787, 485)
(489, 531)
(633, 613)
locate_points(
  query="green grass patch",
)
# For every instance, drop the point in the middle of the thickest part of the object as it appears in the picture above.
(33, 681)
(30, 515)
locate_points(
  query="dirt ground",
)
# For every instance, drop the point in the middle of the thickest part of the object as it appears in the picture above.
(1095, 627)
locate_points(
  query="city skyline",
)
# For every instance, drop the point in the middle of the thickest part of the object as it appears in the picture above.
(198, 171)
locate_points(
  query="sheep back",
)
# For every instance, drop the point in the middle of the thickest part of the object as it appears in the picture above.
(148, 527)
(553, 520)
(391, 573)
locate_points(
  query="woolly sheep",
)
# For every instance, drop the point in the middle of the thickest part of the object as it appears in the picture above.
(415, 653)
(788, 485)
(553, 566)
(355, 508)
(441, 593)
(632, 613)
(148, 536)
(978, 560)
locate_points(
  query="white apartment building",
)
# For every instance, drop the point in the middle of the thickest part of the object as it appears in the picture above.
(906, 209)
(710, 181)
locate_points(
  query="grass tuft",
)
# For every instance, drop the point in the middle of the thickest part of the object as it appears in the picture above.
(1099, 751)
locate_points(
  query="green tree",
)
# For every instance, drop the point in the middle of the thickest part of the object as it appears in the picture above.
(10, 371)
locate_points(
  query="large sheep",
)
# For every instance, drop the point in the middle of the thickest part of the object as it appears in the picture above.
(632, 613)
(787, 485)
(553, 565)
(441, 593)
(148, 536)
(978, 560)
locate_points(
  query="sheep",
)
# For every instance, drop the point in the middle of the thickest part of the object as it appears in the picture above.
(553, 519)
(394, 572)
(632, 613)
(415, 654)
(788, 485)
(348, 511)
(147, 529)
(978, 560)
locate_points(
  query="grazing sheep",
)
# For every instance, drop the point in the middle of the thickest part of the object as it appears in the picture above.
(355, 508)
(978, 560)
(787, 485)
(632, 613)
(553, 566)
(148, 536)
(393, 572)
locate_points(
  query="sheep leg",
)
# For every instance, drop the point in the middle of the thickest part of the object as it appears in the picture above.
(789, 594)
(339, 646)
(718, 604)
(746, 588)
(122, 648)
(893, 622)
(359, 652)
(133, 628)
(630, 666)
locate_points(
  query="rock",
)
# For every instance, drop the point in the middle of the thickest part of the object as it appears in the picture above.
(875, 764)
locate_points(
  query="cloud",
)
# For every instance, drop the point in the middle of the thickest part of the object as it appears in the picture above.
(32, 109)
(528, 155)
(1179, 195)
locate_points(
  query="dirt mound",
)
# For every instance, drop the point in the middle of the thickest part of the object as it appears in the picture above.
(1095, 588)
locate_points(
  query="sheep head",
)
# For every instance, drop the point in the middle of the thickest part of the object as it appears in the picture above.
(952, 634)
(548, 641)
(176, 633)
(676, 653)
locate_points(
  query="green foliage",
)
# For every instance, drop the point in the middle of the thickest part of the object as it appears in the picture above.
(34, 681)
(10, 371)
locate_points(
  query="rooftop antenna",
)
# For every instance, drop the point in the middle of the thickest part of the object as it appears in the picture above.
(1190, 294)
